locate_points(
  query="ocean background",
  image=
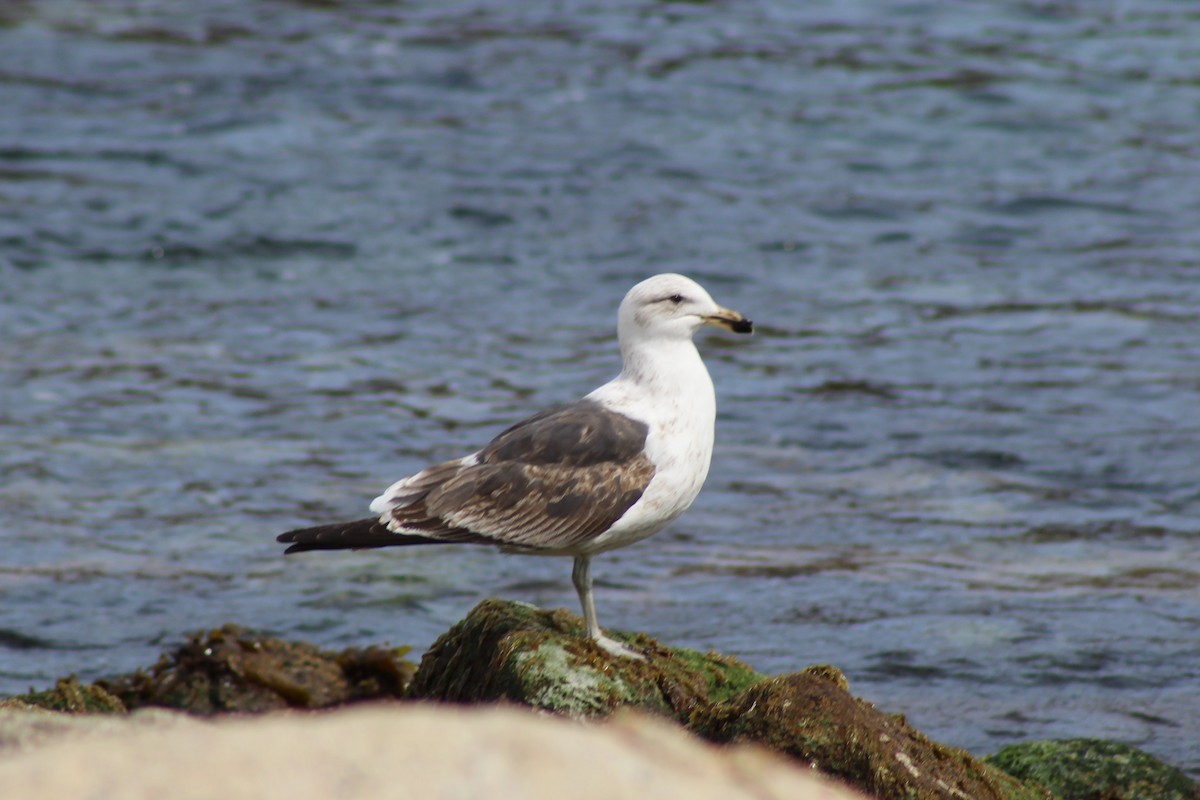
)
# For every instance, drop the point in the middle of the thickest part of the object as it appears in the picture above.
(259, 260)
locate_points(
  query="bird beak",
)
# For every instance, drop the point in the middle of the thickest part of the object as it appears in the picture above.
(730, 320)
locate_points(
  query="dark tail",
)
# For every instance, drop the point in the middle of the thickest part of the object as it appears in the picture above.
(359, 534)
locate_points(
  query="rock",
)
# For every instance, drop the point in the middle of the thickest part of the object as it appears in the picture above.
(24, 728)
(233, 669)
(1094, 769)
(398, 750)
(512, 652)
(811, 717)
(515, 652)
(71, 696)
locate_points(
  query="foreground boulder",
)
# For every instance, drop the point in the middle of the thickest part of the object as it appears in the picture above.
(515, 652)
(393, 751)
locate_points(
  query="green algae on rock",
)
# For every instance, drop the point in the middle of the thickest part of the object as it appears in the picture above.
(232, 669)
(1095, 769)
(811, 717)
(505, 651)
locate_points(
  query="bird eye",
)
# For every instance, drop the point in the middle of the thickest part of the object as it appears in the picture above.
(676, 298)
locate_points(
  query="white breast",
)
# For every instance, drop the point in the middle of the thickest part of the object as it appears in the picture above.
(674, 397)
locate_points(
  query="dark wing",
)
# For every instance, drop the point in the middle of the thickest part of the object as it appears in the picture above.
(554, 481)
(576, 434)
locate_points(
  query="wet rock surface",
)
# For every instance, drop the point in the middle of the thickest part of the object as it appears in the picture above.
(232, 669)
(812, 717)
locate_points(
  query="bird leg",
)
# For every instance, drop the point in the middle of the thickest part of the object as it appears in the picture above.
(581, 576)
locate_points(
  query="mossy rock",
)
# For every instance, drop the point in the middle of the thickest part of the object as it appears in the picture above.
(1094, 769)
(232, 669)
(506, 651)
(811, 717)
(70, 696)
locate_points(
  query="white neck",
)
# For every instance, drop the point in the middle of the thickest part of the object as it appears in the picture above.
(665, 367)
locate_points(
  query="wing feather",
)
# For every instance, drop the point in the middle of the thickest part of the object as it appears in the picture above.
(554, 481)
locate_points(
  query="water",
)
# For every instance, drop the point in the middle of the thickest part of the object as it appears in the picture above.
(259, 260)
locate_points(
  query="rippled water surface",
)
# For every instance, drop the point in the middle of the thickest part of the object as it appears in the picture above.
(257, 260)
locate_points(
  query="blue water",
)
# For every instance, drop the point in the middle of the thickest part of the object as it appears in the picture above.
(259, 260)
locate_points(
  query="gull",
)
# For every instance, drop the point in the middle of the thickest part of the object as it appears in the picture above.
(579, 478)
